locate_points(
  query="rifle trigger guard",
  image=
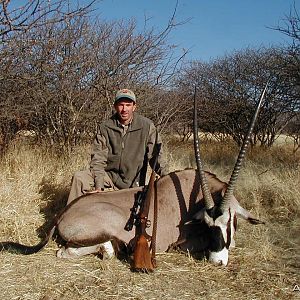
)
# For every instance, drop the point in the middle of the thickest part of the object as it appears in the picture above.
(145, 221)
(148, 223)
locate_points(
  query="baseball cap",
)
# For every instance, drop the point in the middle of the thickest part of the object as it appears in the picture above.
(125, 93)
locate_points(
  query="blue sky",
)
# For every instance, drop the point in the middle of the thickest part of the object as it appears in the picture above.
(216, 27)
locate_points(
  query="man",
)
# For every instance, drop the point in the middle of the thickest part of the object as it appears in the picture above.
(121, 151)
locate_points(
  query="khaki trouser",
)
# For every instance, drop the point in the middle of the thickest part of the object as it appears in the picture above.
(83, 182)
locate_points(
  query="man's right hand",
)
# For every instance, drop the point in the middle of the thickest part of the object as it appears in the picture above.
(96, 191)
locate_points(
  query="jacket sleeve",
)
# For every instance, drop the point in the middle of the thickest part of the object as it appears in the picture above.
(154, 140)
(99, 160)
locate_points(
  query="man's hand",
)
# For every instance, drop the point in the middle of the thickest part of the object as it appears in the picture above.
(96, 191)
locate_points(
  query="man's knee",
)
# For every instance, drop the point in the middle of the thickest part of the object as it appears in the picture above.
(82, 182)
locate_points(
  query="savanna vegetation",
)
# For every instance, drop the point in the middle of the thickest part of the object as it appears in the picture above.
(264, 264)
(60, 69)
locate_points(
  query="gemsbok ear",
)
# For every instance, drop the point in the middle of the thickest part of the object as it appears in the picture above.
(199, 217)
(254, 221)
(246, 215)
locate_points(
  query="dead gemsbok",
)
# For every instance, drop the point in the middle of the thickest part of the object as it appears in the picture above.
(89, 223)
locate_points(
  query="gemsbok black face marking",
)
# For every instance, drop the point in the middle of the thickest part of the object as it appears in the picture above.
(228, 231)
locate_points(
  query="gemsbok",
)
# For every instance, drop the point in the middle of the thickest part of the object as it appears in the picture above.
(197, 212)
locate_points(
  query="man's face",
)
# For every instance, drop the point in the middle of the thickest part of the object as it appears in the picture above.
(125, 108)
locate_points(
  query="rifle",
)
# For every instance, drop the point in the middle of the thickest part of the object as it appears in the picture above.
(138, 201)
(143, 261)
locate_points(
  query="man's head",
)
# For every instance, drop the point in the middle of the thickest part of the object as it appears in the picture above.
(125, 105)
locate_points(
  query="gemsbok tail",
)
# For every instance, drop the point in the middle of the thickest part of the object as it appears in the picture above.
(26, 250)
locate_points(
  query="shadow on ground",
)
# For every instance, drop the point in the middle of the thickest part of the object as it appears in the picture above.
(54, 198)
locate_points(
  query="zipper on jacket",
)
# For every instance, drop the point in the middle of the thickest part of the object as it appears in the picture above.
(121, 154)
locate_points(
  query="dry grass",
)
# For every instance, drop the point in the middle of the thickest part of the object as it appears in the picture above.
(264, 265)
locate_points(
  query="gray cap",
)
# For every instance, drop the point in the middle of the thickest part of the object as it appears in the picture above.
(125, 93)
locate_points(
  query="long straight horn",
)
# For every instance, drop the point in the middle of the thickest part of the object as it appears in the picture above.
(237, 167)
(208, 200)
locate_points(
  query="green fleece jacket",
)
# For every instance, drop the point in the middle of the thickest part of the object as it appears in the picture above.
(124, 157)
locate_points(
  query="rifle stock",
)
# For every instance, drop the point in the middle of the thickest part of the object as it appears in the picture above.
(142, 260)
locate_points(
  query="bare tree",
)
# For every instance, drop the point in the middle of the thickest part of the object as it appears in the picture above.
(67, 73)
(17, 20)
(290, 26)
(168, 109)
(36, 13)
(230, 86)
